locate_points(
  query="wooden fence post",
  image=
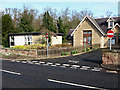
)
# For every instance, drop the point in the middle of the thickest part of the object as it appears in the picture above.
(36, 53)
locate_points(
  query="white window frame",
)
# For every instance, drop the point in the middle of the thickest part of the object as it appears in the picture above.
(30, 39)
(12, 40)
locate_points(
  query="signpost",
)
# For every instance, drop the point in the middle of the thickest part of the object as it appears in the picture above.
(110, 34)
(47, 43)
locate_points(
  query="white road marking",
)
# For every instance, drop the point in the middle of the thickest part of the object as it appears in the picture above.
(30, 62)
(34, 61)
(41, 62)
(75, 65)
(73, 61)
(57, 64)
(95, 70)
(17, 61)
(24, 62)
(53, 65)
(73, 84)
(10, 72)
(37, 63)
(49, 63)
(12, 60)
(66, 65)
(85, 67)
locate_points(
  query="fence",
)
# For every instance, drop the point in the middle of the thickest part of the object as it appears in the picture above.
(57, 52)
(42, 53)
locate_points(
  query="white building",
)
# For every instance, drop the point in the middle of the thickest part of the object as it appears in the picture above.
(17, 39)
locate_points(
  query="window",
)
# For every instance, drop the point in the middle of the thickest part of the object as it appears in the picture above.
(89, 32)
(85, 32)
(28, 40)
(113, 41)
(87, 37)
(84, 39)
(25, 40)
(119, 38)
(12, 41)
(111, 23)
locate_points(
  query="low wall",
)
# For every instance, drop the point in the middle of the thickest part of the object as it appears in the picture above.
(111, 57)
(42, 53)
(7, 51)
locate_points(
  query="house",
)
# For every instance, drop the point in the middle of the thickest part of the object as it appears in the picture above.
(94, 31)
(16, 39)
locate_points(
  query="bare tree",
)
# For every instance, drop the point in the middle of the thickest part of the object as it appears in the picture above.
(108, 13)
(85, 12)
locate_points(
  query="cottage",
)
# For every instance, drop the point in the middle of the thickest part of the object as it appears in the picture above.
(94, 31)
(16, 39)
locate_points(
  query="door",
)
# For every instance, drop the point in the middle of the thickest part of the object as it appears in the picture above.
(87, 38)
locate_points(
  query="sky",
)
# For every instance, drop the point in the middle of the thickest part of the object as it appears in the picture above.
(98, 7)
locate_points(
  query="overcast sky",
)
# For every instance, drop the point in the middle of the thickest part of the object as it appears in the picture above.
(98, 7)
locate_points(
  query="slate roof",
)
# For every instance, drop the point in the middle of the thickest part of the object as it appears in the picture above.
(102, 22)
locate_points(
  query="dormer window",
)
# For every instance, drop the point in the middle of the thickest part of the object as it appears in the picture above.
(110, 22)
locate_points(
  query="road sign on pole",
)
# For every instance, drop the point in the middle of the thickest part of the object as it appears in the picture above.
(110, 34)
(47, 43)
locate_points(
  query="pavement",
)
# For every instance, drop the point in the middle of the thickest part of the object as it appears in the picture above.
(80, 71)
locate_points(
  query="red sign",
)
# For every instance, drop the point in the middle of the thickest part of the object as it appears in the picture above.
(46, 35)
(110, 34)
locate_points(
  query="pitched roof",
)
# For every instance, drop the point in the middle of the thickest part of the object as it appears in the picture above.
(100, 23)
(115, 26)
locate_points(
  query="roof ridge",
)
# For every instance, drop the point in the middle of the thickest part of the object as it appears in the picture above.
(107, 17)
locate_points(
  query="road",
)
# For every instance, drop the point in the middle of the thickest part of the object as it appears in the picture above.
(81, 71)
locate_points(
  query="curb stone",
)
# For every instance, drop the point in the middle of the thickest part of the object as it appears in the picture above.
(107, 68)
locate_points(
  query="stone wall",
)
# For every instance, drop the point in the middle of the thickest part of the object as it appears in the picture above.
(111, 57)
(78, 35)
(8, 51)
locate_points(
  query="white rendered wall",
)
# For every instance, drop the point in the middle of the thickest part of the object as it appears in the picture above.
(56, 40)
(19, 40)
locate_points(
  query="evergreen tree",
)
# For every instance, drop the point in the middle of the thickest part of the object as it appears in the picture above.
(60, 25)
(66, 28)
(7, 28)
(62, 29)
(48, 22)
(25, 24)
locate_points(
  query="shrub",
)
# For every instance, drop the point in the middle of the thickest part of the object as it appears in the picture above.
(62, 53)
(67, 53)
(93, 48)
(83, 50)
(87, 49)
(74, 52)
(35, 46)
